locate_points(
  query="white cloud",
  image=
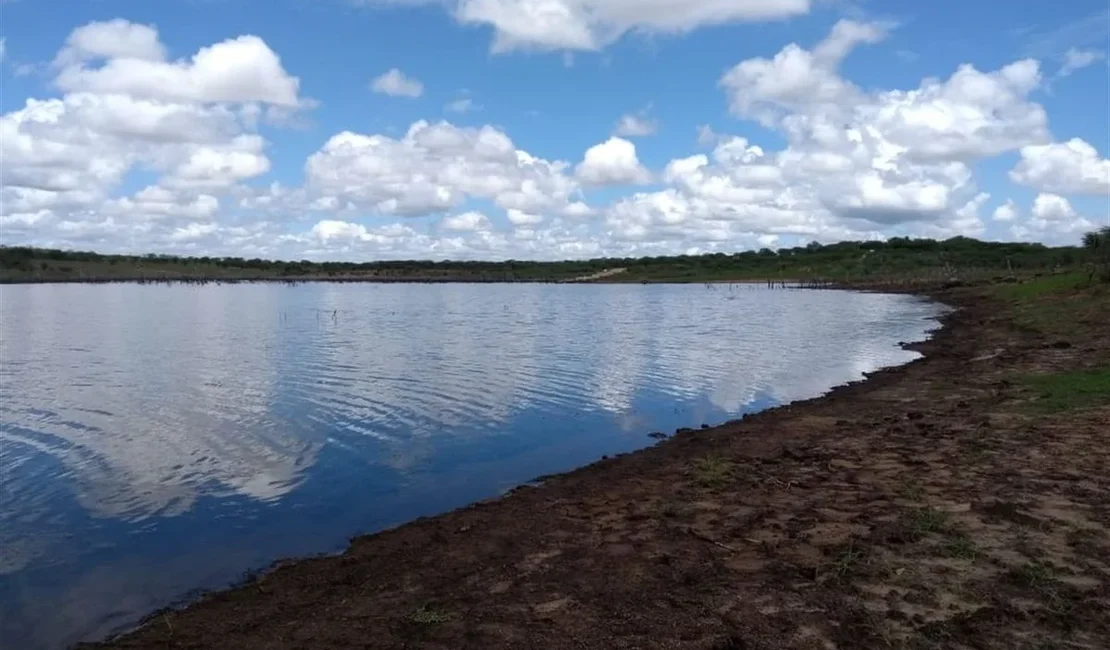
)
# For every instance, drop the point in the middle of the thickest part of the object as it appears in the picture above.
(1076, 59)
(884, 158)
(466, 222)
(1051, 207)
(1052, 219)
(856, 162)
(797, 79)
(132, 62)
(189, 122)
(462, 105)
(526, 219)
(396, 84)
(707, 136)
(612, 162)
(1006, 212)
(593, 24)
(433, 168)
(632, 125)
(1072, 167)
(3, 49)
(115, 39)
(222, 166)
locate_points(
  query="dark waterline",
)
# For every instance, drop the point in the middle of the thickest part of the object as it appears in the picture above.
(160, 440)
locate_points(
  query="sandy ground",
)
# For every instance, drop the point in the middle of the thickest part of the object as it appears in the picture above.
(933, 506)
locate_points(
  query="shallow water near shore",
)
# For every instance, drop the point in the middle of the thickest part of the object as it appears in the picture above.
(156, 441)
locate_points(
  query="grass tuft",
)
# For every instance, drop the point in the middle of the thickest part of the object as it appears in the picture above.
(712, 470)
(849, 561)
(427, 616)
(920, 522)
(960, 546)
(1070, 390)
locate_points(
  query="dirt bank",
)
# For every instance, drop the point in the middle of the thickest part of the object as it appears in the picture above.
(962, 501)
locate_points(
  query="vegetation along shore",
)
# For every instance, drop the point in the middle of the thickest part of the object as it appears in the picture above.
(895, 260)
(960, 501)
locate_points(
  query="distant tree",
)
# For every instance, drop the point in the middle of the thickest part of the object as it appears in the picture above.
(1097, 242)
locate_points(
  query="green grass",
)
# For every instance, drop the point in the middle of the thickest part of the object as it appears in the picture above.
(848, 561)
(1070, 390)
(712, 471)
(911, 490)
(1041, 287)
(427, 616)
(961, 546)
(920, 522)
(1056, 305)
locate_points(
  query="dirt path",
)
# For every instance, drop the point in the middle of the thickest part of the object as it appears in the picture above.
(933, 506)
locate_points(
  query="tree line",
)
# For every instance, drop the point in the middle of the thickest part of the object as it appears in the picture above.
(848, 259)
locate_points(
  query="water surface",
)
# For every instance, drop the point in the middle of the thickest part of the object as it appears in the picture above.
(158, 440)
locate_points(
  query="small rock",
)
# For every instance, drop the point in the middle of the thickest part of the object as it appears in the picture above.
(658, 435)
(605, 457)
(1061, 345)
(915, 415)
(705, 426)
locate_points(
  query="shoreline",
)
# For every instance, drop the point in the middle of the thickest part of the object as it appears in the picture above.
(675, 544)
(614, 278)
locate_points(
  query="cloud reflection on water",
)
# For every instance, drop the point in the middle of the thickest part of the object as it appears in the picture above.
(127, 407)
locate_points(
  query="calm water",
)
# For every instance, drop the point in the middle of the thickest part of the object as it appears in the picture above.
(159, 440)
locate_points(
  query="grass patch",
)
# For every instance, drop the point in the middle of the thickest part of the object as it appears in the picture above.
(1070, 390)
(712, 470)
(1058, 305)
(1034, 575)
(428, 616)
(1043, 286)
(911, 490)
(960, 546)
(919, 523)
(848, 562)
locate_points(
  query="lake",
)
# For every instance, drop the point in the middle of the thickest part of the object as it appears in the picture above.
(160, 440)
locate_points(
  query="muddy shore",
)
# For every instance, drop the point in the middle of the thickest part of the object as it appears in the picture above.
(934, 505)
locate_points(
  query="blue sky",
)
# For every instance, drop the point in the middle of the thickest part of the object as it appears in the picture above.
(815, 120)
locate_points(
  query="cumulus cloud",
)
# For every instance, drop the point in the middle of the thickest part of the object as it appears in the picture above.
(798, 79)
(1052, 219)
(128, 108)
(466, 222)
(114, 39)
(1006, 212)
(612, 162)
(526, 219)
(123, 58)
(854, 162)
(1072, 167)
(593, 24)
(396, 84)
(435, 167)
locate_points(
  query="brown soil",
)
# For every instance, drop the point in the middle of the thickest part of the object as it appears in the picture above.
(928, 507)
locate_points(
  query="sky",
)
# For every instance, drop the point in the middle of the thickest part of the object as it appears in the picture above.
(547, 129)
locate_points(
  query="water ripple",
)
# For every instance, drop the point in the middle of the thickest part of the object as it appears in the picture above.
(158, 440)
